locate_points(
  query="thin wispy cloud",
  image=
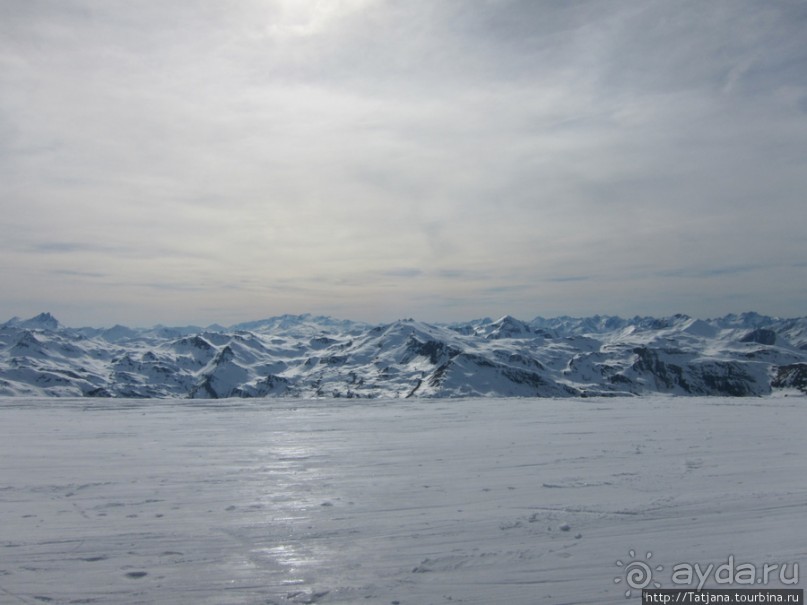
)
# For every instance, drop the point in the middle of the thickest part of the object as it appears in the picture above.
(376, 159)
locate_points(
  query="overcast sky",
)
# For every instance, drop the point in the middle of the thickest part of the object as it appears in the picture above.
(218, 161)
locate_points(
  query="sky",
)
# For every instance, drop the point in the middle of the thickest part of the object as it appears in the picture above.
(192, 162)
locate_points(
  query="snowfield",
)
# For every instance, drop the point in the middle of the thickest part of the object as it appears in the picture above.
(483, 501)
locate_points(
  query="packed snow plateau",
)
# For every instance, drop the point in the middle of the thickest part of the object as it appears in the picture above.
(312, 357)
(475, 501)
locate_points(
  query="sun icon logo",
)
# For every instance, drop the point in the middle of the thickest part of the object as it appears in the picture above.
(638, 573)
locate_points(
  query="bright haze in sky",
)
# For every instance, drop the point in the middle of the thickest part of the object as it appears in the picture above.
(203, 161)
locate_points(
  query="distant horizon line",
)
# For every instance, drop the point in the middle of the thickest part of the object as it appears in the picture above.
(46, 316)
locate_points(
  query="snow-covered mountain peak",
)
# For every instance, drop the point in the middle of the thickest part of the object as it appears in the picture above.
(508, 327)
(305, 323)
(698, 327)
(316, 356)
(43, 321)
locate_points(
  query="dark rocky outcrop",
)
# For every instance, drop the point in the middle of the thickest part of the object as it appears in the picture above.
(762, 336)
(793, 376)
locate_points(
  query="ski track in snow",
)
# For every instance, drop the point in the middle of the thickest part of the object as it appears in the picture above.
(411, 502)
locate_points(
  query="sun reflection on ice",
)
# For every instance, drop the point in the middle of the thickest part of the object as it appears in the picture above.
(281, 511)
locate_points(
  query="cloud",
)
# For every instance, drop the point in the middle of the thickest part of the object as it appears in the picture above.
(71, 247)
(73, 273)
(403, 272)
(569, 278)
(401, 153)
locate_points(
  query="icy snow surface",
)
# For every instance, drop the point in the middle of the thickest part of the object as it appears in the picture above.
(410, 501)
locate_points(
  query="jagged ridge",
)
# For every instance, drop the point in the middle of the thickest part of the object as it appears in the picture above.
(308, 356)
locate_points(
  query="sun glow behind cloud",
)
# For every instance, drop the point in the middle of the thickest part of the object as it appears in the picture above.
(219, 162)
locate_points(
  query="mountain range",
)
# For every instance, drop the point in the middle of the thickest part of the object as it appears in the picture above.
(306, 356)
